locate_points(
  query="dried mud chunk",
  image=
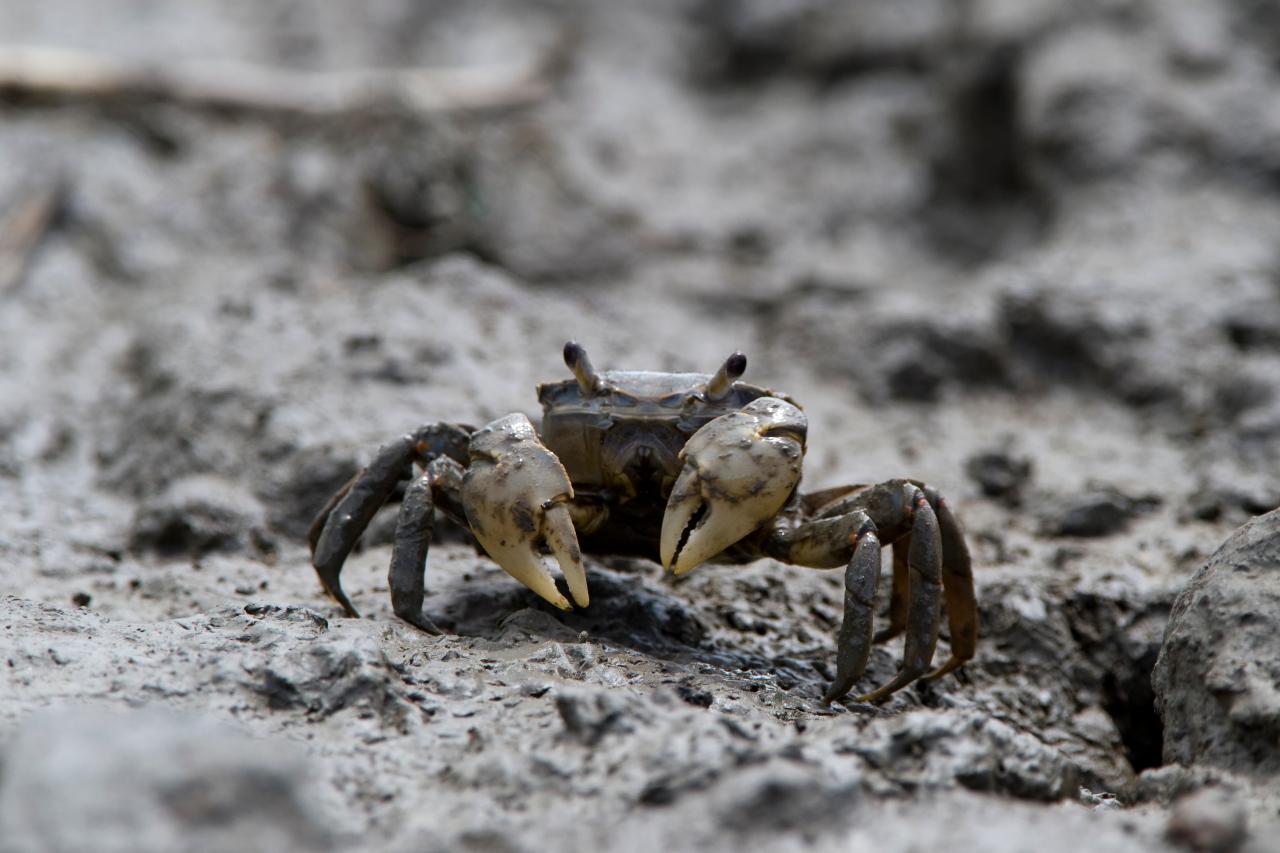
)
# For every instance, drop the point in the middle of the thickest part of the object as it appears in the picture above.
(1217, 676)
(152, 781)
(1083, 108)
(169, 432)
(588, 718)
(777, 798)
(310, 475)
(1255, 327)
(1208, 821)
(919, 359)
(823, 39)
(331, 676)
(1211, 504)
(1099, 512)
(1000, 474)
(198, 516)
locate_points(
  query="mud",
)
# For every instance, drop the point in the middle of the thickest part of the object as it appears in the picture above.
(1024, 252)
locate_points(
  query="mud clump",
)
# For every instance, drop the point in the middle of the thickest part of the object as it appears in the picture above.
(150, 781)
(1102, 511)
(1216, 677)
(1000, 474)
(1208, 821)
(197, 516)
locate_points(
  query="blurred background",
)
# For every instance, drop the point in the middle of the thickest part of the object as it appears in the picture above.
(1025, 250)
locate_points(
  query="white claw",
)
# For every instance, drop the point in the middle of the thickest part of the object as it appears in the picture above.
(739, 471)
(516, 495)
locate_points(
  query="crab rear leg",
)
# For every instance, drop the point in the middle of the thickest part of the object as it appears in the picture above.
(957, 584)
(924, 613)
(930, 560)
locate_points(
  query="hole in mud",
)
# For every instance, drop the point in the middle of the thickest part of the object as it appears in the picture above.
(1130, 700)
(1120, 645)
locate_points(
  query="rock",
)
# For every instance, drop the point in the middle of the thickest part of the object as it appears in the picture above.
(1217, 675)
(1209, 821)
(149, 781)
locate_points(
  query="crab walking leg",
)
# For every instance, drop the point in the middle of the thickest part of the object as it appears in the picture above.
(957, 584)
(352, 513)
(322, 517)
(408, 573)
(924, 613)
(901, 596)
(516, 495)
(853, 644)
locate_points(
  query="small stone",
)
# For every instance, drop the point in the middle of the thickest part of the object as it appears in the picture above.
(81, 599)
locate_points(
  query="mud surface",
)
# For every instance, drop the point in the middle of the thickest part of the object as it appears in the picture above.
(1024, 251)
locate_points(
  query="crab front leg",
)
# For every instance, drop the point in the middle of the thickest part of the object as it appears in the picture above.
(517, 495)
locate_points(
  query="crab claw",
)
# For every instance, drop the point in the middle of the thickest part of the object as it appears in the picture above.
(516, 494)
(739, 470)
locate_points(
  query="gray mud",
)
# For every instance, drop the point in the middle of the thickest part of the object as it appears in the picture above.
(1024, 251)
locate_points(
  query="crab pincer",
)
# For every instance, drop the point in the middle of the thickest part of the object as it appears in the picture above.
(516, 495)
(739, 470)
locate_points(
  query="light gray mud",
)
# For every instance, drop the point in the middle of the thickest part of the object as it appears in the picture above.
(1024, 251)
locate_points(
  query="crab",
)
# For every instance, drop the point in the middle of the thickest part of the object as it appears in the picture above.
(683, 468)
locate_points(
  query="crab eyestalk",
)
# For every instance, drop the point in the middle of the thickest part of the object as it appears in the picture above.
(739, 470)
(516, 496)
(575, 358)
(719, 385)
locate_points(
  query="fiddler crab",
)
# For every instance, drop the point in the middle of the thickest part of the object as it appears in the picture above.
(684, 467)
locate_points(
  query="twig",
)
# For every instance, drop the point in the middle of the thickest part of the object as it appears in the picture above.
(22, 231)
(46, 72)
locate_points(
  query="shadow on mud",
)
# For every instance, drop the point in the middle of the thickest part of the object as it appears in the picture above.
(624, 612)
